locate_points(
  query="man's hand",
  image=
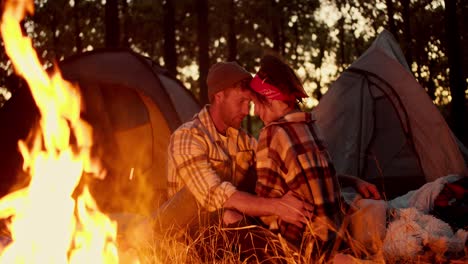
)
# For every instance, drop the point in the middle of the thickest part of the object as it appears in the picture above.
(231, 217)
(294, 210)
(288, 208)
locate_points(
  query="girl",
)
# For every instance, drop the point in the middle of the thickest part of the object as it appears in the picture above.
(291, 156)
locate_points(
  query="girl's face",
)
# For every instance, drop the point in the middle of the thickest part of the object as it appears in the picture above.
(269, 110)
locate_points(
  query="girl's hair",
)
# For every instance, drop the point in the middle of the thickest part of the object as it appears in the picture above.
(276, 72)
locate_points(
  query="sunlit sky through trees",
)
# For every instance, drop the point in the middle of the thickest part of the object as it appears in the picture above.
(314, 77)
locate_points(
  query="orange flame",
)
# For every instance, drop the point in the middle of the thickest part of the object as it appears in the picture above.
(47, 224)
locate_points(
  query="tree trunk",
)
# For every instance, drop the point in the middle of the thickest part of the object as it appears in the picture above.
(407, 32)
(76, 21)
(55, 41)
(457, 84)
(342, 41)
(317, 93)
(125, 25)
(170, 54)
(112, 24)
(463, 9)
(391, 20)
(275, 27)
(231, 38)
(203, 48)
(232, 48)
(431, 86)
(282, 34)
(296, 41)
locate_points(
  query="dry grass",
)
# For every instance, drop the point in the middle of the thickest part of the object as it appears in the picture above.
(217, 245)
(214, 245)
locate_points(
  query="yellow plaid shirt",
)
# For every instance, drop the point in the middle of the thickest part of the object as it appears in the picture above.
(209, 164)
(292, 157)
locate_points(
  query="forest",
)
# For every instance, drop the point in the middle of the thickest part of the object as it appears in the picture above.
(111, 141)
(318, 38)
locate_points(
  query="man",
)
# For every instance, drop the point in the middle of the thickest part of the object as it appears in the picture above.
(210, 159)
(210, 155)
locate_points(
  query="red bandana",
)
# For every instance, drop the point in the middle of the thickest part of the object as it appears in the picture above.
(271, 91)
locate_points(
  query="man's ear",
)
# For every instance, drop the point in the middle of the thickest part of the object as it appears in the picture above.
(218, 97)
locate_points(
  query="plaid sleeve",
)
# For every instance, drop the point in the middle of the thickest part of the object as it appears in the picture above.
(188, 153)
(270, 167)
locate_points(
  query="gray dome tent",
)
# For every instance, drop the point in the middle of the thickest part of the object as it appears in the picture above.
(133, 106)
(381, 125)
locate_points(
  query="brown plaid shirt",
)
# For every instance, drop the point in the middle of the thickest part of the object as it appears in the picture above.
(291, 156)
(210, 165)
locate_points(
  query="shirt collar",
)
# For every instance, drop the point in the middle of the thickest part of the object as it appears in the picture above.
(207, 122)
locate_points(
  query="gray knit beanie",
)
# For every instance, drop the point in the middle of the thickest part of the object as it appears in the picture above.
(224, 75)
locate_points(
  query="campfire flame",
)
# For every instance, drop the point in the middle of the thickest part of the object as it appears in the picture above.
(49, 223)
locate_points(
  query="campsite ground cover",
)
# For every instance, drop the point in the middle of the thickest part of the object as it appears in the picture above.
(185, 249)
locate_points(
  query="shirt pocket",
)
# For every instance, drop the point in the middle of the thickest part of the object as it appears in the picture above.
(244, 171)
(244, 159)
(222, 168)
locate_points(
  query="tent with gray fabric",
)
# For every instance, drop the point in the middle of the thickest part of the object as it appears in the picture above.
(132, 104)
(380, 124)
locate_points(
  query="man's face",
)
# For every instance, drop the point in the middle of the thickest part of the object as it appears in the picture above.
(235, 106)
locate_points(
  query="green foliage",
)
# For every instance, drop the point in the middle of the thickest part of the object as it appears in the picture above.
(310, 35)
(145, 33)
(55, 25)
